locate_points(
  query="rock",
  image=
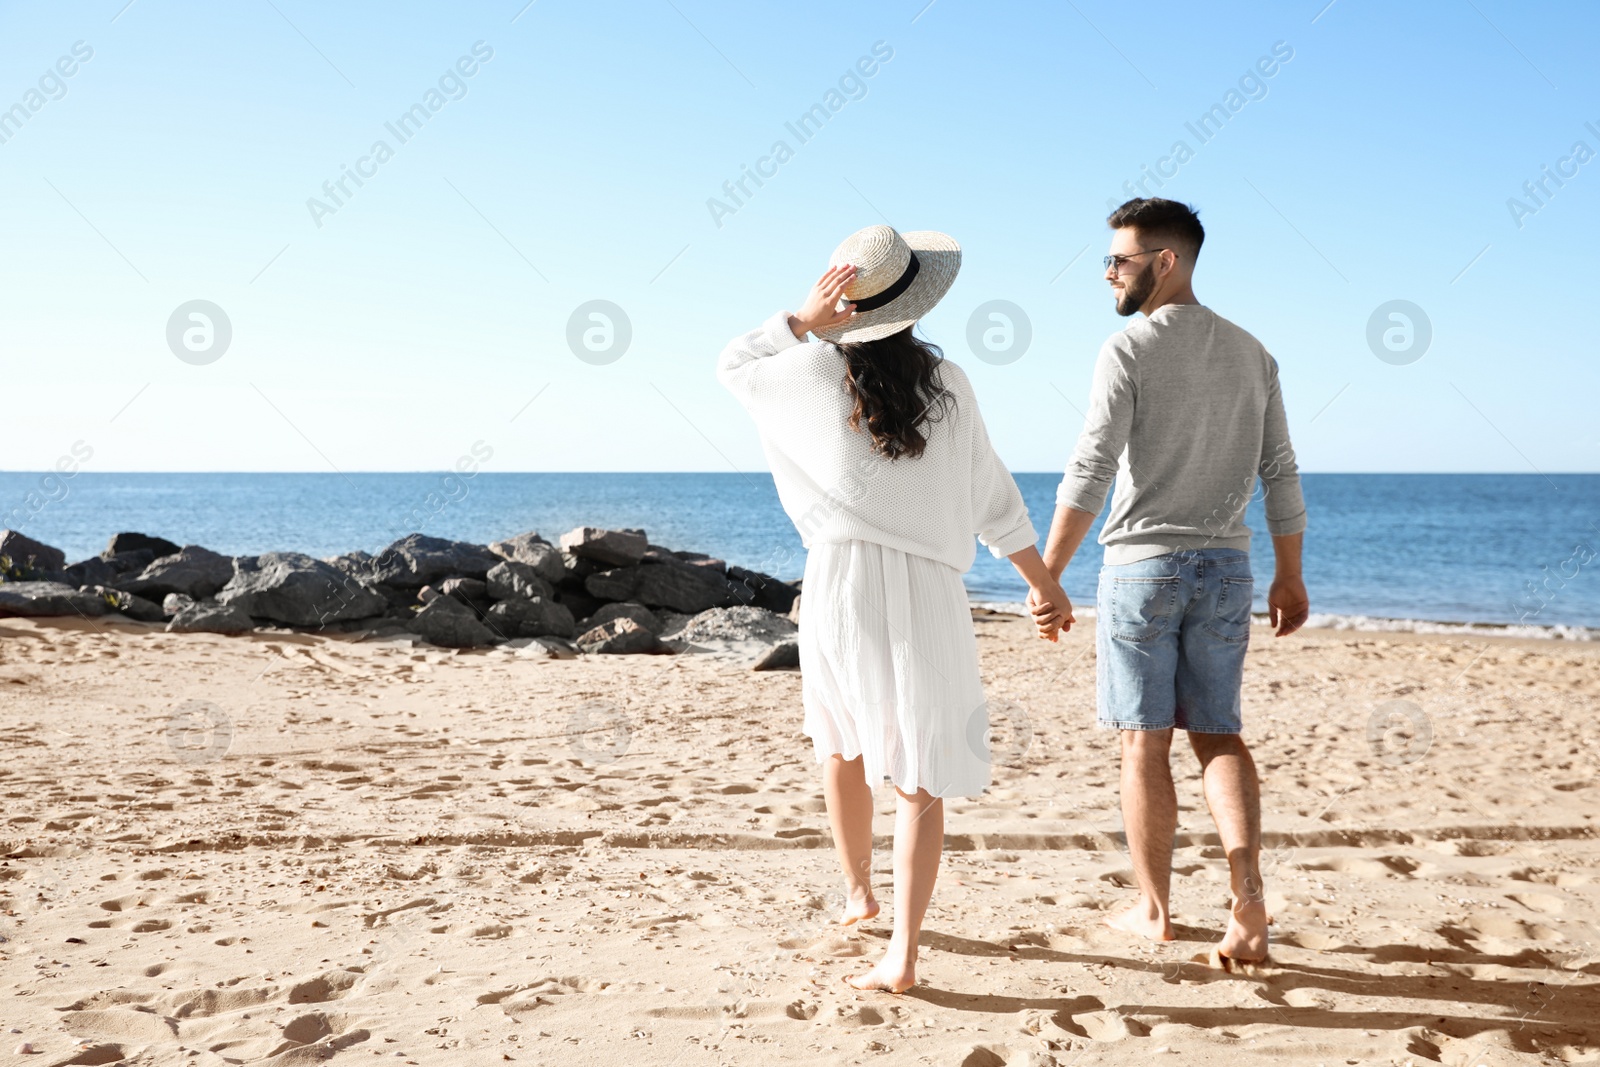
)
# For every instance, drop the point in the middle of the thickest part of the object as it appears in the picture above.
(537, 617)
(576, 570)
(297, 590)
(175, 604)
(657, 554)
(451, 624)
(473, 592)
(193, 571)
(617, 548)
(513, 580)
(403, 603)
(627, 610)
(753, 636)
(27, 555)
(616, 584)
(48, 599)
(543, 647)
(91, 572)
(427, 595)
(535, 551)
(763, 590)
(682, 588)
(738, 624)
(621, 636)
(580, 603)
(418, 560)
(357, 564)
(123, 543)
(134, 607)
(781, 656)
(131, 562)
(209, 617)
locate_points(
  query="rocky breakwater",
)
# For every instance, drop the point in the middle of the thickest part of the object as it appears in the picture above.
(597, 592)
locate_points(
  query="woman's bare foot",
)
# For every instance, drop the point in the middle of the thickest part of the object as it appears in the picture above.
(857, 910)
(1245, 940)
(1144, 920)
(890, 976)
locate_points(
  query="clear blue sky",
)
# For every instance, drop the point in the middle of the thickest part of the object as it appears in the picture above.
(432, 303)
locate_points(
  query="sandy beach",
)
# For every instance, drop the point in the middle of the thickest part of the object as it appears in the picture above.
(289, 849)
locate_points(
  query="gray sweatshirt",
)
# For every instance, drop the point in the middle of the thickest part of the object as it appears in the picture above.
(1185, 413)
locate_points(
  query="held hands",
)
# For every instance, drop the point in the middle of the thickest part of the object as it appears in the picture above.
(1288, 606)
(1052, 611)
(821, 302)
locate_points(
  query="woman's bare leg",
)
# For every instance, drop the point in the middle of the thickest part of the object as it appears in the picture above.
(918, 844)
(844, 785)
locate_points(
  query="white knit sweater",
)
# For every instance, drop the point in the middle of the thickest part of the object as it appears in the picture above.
(836, 489)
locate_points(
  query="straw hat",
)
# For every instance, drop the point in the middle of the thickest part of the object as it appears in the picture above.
(899, 277)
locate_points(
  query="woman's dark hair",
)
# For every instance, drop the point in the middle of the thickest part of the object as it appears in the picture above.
(896, 390)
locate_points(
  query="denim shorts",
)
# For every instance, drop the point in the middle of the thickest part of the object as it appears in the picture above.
(1170, 638)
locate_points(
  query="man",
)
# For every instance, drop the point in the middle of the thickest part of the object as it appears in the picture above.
(1185, 413)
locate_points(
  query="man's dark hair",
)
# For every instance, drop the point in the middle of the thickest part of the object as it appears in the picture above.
(1162, 221)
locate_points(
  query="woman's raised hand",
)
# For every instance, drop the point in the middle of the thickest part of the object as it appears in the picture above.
(821, 304)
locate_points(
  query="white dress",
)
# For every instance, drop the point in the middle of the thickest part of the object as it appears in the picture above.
(888, 655)
(889, 668)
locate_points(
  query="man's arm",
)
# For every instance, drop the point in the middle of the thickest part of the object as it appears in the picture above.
(1067, 532)
(1288, 606)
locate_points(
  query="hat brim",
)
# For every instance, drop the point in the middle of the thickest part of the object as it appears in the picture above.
(939, 261)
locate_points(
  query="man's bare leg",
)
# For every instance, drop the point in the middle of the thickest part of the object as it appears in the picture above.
(918, 844)
(1150, 818)
(844, 786)
(1233, 793)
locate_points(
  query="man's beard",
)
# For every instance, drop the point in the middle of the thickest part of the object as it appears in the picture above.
(1137, 290)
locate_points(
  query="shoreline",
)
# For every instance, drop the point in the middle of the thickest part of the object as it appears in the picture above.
(1375, 624)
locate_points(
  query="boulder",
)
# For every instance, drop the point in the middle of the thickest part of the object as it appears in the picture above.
(473, 592)
(131, 562)
(402, 602)
(657, 554)
(123, 543)
(616, 584)
(27, 555)
(616, 548)
(682, 588)
(91, 572)
(581, 604)
(536, 617)
(738, 624)
(536, 552)
(512, 580)
(297, 590)
(762, 590)
(357, 564)
(47, 599)
(418, 560)
(781, 656)
(620, 636)
(193, 571)
(451, 624)
(576, 570)
(134, 607)
(175, 604)
(209, 617)
(627, 610)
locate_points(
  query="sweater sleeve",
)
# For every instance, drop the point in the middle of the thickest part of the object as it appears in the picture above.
(1105, 433)
(998, 511)
(1280, 474)
(739, 366)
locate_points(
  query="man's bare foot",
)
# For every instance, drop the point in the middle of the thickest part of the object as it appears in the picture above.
(888, 976)
(857, 910)
(1142, 920)
(1245, 940)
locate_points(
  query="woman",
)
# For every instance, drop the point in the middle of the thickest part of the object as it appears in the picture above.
(881, 459)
